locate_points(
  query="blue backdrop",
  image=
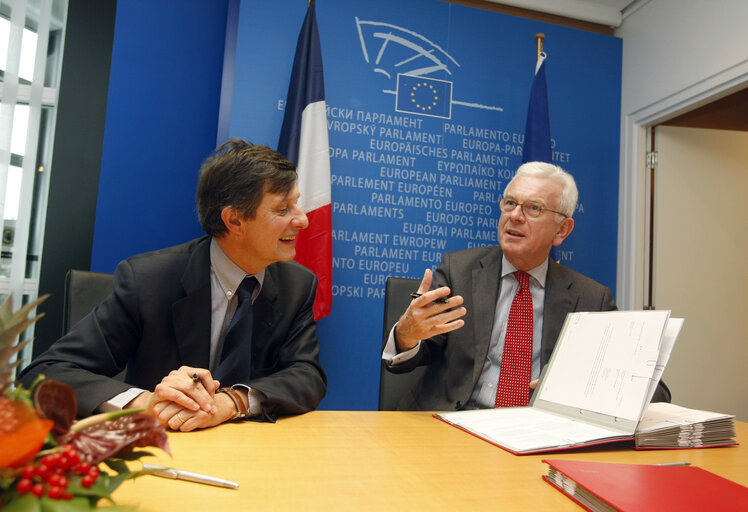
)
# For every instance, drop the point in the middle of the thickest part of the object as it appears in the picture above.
(418, 164)
(409, 181)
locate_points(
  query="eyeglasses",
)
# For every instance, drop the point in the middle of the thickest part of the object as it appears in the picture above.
(533, 210)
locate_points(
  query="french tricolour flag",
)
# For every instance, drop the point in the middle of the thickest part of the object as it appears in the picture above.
(303, 140)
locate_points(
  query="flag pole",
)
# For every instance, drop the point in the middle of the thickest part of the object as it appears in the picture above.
(539, 38)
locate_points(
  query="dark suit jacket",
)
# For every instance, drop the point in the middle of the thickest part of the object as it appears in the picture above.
(158, 319)
(456, 359)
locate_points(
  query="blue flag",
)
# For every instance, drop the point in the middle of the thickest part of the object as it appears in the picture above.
(537, 146)
(424, 96)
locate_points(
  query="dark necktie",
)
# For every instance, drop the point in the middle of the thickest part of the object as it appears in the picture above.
(237, 344)
(516, 363)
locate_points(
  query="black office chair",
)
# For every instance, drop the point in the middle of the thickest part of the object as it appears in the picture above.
(396, 299)
(84, 291)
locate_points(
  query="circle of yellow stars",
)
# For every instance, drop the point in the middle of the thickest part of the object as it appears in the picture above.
(416, 88)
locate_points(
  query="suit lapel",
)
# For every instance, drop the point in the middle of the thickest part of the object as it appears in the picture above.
(559, 301)
(192, 313)
(486, 280)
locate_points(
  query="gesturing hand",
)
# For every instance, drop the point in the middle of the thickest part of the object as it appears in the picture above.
(425, 318)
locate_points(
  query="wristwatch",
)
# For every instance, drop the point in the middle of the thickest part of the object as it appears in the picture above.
(235, 396)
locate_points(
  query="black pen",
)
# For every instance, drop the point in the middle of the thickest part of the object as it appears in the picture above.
(441, 300)
(196, 378)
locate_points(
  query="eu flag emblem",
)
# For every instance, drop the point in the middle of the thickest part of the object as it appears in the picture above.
(424, 96)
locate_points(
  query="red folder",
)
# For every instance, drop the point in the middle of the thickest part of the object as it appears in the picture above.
(642, 488)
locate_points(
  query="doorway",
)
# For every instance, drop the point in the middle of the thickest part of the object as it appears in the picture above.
(700, 240)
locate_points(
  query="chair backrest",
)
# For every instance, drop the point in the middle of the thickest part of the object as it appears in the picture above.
(84, 291)
(396, 300)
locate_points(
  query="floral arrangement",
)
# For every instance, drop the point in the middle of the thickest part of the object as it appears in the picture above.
(48, 461)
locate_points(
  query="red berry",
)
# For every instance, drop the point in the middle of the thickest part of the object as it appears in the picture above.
(82, 468)
(37, 490)
(58, 479)
(73, 459)
(28, 471)
(65, 462)
(87, 481)
(55, 492)
(94, 472)
(52, 460)
(24, 485)
(42, 470)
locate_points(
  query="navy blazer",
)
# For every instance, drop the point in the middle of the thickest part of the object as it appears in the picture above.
(158, 319)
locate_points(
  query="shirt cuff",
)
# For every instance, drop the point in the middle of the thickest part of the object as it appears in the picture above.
(118, 402)
(255, 398)
(390, 354)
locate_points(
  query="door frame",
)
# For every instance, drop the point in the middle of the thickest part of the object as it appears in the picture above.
(632, 212)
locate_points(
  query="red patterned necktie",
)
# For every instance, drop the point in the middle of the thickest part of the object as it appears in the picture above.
(516, 364)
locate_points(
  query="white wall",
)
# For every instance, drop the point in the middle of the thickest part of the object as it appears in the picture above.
(672, 45)
(677, 54)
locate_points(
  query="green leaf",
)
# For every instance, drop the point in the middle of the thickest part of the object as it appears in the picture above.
(116, 465)
(75, 505)
(100, 488)
(116, 481)
(131, 456)
(26, 503)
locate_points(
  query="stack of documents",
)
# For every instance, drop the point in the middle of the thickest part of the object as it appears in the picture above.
(600, 379)
(601, 486)
(671, 426)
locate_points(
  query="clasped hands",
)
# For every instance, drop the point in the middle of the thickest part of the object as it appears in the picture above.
(186, 400)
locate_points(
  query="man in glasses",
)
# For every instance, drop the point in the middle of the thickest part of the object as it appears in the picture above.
(490, 317)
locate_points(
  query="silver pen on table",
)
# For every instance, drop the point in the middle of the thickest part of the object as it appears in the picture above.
(673, 464)
(180, 474)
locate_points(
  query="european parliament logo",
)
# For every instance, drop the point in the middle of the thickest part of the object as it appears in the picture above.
(424, 96)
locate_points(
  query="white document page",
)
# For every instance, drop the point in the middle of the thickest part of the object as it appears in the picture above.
(604, 362)
(663, 415)
(523, 429)
(672, 330)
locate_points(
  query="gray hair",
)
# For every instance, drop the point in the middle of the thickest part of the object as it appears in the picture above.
(569, 193)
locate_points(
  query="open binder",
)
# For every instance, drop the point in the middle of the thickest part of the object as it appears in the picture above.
(598, 383)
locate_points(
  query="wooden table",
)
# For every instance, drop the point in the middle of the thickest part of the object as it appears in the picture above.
(370, 460)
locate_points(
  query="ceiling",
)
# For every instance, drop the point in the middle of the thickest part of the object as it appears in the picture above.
(728, 113)
(603, 12)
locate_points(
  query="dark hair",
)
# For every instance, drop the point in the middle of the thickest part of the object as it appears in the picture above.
(238, 174)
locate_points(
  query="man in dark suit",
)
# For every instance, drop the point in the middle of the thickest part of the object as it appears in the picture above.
(171, 311)
(462, 340)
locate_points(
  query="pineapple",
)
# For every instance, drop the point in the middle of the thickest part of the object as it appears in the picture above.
(22, 432)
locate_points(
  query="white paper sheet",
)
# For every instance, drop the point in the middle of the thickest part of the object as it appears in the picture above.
(605, 362)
